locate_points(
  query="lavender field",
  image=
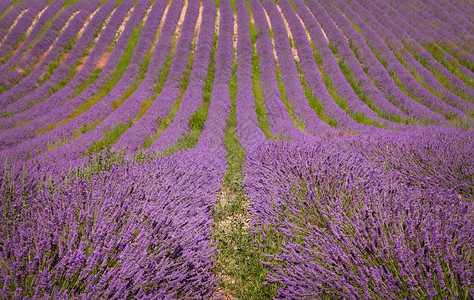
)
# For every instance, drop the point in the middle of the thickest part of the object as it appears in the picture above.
(240, 149)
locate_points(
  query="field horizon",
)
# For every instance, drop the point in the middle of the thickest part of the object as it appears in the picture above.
(241, 149)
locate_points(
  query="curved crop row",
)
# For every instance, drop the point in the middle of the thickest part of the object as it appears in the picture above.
(199, 149)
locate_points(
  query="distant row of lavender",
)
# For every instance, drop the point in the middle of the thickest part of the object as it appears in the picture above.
(397, 46)
(247, 128)
(415, 35)
(148, 124)
(373, 67)
(59, 105)
(44, 46)
(21, 27)
(64, 69)
(417, 40)
(338, 208)
(40, 143)
(192, 98)
(38, 26)
(420, 104)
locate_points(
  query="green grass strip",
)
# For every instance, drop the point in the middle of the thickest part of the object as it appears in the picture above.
(452, 66)
(461, 60)
(238, 261)
(110, 137)
(235, 152)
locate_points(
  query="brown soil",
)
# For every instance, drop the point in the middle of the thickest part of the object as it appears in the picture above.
(103, 60)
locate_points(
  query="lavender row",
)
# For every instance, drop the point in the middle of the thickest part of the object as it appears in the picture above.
(104, 107)
(32, 80)
(11, 40)
(278, 117)
(383, 105)
(51, 35)
(428, 78)
(39, 144)
(45, 17)
(358, 218)
(137, 230)
(212, 135)
(124, 114)
(247, 127)
(4, 5)
(60, 106)
(329, 66)
(410, 43)
(7, 21)
(25, 63)
(303, 111)
(391, 62)
(133, 138)
(331, 69)
(63, 71)
(192, 98)
(434, 30)
(457, 51)
(372, 66)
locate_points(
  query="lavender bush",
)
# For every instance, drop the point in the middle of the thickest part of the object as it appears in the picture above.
(199, 149)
